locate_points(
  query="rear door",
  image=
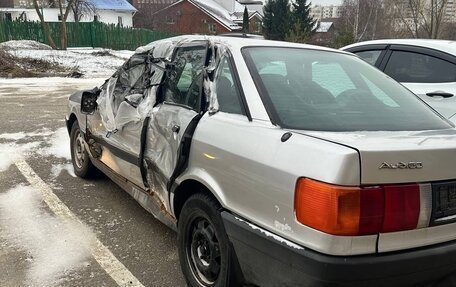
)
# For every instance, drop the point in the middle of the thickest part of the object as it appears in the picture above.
(428, 73)
(175, 118)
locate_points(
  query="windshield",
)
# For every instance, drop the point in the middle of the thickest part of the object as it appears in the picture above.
(325, 91)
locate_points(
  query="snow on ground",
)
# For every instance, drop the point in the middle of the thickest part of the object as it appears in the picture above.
(59, 145)
(57, 169)
(24, 44)
(42, 142)
(11, 152)
(83, 59)
(27, 226)
(48, 83)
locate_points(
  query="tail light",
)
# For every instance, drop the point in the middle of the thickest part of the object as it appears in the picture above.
(352, 211)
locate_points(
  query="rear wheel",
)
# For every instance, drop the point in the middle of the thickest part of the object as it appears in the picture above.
(204, 250)
(82, 165)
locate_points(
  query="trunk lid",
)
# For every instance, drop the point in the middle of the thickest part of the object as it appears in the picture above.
(400, 157)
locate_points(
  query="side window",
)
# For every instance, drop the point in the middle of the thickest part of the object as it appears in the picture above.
(184, 81)
(409, 67)
(227, 93)
(370, 56)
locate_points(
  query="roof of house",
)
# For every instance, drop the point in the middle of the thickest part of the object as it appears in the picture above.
(217, 12)
(118, 5)
(239, 16)
(323, 27)
(213, 9)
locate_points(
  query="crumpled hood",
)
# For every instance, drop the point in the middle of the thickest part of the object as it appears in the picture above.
(400, 157)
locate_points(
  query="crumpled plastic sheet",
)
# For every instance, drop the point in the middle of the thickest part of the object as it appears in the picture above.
(210, 87)
(126, 98)
(159, 155)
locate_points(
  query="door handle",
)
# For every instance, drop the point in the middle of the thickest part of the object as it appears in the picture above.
(440, 94)
(176, 129)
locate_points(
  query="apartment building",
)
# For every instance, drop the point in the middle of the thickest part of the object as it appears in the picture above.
(319, 12)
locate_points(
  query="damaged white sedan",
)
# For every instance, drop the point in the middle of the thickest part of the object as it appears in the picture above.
(278, 164)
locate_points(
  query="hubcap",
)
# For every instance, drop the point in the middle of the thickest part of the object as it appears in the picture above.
(79, 151)
(204, 252)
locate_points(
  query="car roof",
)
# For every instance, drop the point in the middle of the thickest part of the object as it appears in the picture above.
(446, 46)
(230, 42)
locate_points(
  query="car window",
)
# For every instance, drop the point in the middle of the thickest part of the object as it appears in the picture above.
(411, 67)
(180, 87)
(329, 91)
(227, 93)
(370, 56)
(331, 76)
(274, 68)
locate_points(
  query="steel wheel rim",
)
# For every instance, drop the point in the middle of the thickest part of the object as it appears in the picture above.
(203, 252)
(79, 150)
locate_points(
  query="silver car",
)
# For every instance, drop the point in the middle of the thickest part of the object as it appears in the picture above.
(426, 67)
(277, 164)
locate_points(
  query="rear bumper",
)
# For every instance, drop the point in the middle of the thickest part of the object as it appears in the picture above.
(268, 260)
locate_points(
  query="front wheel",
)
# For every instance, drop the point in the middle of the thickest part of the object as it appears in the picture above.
(82, 165)
(204, 250)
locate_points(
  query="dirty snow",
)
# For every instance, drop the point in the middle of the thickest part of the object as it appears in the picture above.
(57, 169)
(81, 59)
(11, 152)
(24, 44)
(59, 144)
(27, 226)
(45, 142)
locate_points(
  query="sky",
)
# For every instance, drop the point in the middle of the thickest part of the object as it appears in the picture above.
(326, 2)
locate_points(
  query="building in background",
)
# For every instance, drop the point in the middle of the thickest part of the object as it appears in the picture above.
(325, 32)
(319, 12)
(205, 17)
(119, 12)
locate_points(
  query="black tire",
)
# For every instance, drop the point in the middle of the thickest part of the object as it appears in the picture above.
(80, 158)
(203, 244)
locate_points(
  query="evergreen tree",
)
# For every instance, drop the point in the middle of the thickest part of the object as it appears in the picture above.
(276, 20)
(303, 23)
(245, 21)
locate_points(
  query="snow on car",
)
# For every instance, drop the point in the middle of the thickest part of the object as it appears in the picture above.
(277, 164)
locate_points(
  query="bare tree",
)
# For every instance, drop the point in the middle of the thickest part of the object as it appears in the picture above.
(45, 25)
(364, 19)
(81, 8)
(64, 12)
(421, 18)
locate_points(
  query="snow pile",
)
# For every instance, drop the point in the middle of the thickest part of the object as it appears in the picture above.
(83, 60)
(91, 62)
(24, 44)
(55, 248)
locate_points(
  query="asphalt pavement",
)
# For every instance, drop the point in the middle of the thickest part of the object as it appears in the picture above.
(51, 220)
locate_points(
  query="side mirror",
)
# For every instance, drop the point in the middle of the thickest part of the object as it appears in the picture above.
(89, 101)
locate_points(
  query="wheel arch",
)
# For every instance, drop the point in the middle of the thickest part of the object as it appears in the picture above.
(73, 118)
(190, 185)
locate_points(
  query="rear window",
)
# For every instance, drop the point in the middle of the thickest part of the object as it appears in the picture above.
(327, 91)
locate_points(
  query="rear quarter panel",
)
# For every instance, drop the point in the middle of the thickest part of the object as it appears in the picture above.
(253, 174)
